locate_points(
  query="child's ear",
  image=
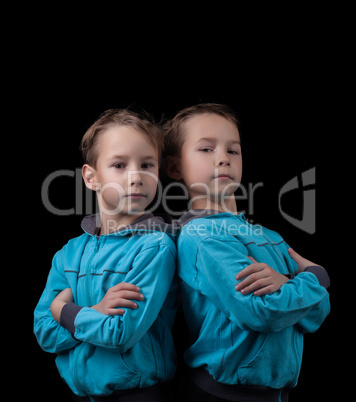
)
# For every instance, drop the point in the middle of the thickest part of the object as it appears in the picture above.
(89, 177)
(172, 166)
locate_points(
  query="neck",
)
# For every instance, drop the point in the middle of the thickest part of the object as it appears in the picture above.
(113, 223)
(227, 204)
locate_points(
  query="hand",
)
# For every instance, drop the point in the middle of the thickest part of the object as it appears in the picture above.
(120, 295)
(301, 261)
(64, 297)
(261, 279)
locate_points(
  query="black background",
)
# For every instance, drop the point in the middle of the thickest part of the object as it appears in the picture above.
(287, 94)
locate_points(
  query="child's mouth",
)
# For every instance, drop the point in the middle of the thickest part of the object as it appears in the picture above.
(136, 195)
(224, 177)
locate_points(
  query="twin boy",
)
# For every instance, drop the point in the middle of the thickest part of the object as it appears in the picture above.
(110, 300)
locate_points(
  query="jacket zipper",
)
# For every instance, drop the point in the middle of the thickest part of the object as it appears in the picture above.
(88, 272)
(78, 351)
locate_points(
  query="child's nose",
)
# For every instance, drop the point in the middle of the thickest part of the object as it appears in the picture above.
(135, 179)
(224, 162)
(223, 159)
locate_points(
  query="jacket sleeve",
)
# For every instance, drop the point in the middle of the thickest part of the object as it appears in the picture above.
(152, 270)
(310, 322)
(51, 336)
(216, 264)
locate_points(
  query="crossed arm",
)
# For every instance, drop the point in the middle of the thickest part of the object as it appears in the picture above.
(261, 279)
(116, 299)
(106, 323)
(258, 278)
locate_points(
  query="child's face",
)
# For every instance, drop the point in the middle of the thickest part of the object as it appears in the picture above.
(211, 162)
(126, 172)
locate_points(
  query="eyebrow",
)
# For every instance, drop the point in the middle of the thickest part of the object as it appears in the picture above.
(212, 139)
(127, 156)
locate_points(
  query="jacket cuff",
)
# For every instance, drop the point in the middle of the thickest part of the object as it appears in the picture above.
(68, 315)
(321, 274)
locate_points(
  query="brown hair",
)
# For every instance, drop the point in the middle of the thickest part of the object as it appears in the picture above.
(174, 128)
(142, 122)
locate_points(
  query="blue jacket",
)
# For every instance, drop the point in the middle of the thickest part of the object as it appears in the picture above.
(249, 339)
(108, 353)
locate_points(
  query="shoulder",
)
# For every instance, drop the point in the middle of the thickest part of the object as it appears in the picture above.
(223, 225)
(225, 228)
(155, 240)
(271, 235)
(155, 248)
(196, 231)
(211, 231)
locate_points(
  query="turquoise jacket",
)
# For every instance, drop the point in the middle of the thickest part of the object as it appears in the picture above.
(239, 339)
(107, 353)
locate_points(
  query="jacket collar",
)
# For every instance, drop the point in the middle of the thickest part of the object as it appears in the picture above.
(147, 222)
(201, 213)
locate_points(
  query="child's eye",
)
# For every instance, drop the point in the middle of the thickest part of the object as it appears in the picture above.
(206, 149)
(147, 165)
(119, 165)
(233, 152)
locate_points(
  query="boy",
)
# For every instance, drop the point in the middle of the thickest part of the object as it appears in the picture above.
(125, 259)
(243, 347)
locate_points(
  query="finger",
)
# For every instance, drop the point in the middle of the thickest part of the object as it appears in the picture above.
(125, 286)
(250, 269)
(252, 259)
(265, 291)
(251, 279)
(126, 294)
(254, 285)
(246, 282)
(123, 303)
(295, 256)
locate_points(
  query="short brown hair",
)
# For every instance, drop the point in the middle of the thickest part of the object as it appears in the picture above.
(142, 122)
(174, 129)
